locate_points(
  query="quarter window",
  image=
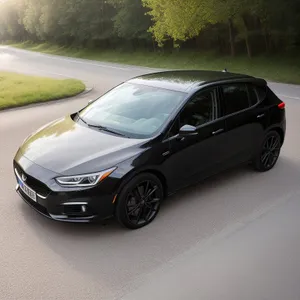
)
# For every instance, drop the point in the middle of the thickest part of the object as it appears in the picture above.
(236, 98)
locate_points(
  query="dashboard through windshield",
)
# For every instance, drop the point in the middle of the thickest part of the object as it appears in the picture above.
(133, 110)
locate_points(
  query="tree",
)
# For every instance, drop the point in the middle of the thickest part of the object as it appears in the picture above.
(131, 21)
(179, 20)
(183, 20)
(10, 26)
(88, 21)
(226, 24)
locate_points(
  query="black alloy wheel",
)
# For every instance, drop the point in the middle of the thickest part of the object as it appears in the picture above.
(139, 201)
(269, 153)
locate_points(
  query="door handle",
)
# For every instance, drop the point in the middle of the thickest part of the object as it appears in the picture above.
(166, 153)
(218, 131)
(260, 116)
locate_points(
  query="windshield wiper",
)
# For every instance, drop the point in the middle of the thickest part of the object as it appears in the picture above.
(103, 128)
(78, 116)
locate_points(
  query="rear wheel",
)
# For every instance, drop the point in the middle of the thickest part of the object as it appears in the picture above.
(269, 152)
(139, 202)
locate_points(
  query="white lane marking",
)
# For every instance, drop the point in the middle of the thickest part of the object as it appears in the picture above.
(53, 73)
(37, 72)
(78, 61)
(295, 98)
(87, 63)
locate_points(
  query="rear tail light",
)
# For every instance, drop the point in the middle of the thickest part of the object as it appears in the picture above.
(281, 105)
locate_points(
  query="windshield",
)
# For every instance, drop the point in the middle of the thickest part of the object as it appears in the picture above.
(133, 110)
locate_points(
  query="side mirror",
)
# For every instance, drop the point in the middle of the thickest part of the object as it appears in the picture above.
(187, 130)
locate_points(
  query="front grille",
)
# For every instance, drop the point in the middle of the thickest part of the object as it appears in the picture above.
(39, 208)
(33, 183)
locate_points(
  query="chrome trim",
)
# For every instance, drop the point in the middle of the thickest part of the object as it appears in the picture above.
(17, 173)
(24, 177)
(75, 203)
(70, 219)
(17, 187)
(40, 196)
(58, 216)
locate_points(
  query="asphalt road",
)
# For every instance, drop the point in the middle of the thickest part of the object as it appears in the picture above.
(234, 236)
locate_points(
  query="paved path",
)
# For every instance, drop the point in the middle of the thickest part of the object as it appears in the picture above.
(235, 236)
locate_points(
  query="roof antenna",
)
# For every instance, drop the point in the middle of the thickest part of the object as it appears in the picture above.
(225, 70)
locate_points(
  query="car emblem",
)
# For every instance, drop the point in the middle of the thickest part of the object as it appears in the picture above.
(24, 177)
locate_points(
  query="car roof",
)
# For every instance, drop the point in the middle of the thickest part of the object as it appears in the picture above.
(187, 81)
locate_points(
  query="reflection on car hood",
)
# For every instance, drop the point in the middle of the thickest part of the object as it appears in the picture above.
(66, 147)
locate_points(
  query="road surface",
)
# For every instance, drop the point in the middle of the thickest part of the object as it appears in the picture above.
(234, 236)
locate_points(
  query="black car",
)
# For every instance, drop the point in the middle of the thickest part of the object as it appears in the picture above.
(125, 152)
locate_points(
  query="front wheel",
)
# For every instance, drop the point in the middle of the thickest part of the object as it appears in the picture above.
(139, 201)
(269, 153)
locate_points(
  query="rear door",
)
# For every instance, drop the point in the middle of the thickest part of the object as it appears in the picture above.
(245, 121)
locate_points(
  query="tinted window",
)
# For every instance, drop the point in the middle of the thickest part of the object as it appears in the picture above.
(253, 95)
(236, 98)
(201, 109)
(261, 92)
(132, 109)
(175, 128)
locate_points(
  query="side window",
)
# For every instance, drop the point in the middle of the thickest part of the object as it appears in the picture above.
(175, 128)
(261, 92)
(201, 109)
(235, 97)
(253, 94)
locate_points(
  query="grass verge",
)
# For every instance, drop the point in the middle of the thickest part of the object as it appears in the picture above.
(19, 90)
(275, 68)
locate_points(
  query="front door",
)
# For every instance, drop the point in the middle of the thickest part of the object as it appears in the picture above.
(196, 157)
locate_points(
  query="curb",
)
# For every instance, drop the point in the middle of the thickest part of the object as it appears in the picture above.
(86, 91)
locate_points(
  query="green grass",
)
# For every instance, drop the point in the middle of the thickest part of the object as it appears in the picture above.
(275, 68)
(19, 90)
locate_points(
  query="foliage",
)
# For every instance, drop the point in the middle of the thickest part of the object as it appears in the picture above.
(131, 21)
(229, 26)
(179, 20)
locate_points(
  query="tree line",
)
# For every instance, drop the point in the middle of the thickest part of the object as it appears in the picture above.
(223, 26)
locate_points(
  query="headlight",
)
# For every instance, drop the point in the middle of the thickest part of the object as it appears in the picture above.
(84, 180)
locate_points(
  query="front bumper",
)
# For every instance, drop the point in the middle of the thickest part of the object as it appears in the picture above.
(63, 204)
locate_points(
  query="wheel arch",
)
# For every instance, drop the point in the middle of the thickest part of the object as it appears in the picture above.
(280, 131)
(128, 177)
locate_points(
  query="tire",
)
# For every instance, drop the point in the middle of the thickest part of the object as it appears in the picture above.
(139, 201)
(268, 153)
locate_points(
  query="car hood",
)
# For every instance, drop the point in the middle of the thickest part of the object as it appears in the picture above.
(68, 148)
